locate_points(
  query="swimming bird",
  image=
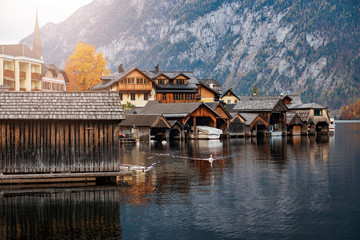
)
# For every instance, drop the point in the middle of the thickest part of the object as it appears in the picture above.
(211, 159)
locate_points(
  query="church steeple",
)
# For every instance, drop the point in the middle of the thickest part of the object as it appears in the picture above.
(37, 48)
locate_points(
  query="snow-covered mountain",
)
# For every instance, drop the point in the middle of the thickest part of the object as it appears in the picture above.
(309, 47)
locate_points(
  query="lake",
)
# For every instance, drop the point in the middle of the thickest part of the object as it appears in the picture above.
(277, 188)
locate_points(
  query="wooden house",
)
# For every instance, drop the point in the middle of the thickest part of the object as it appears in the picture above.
(174, 86)
(142, 127)
(273, 111)
(133, 86)
(59, 133)
(229, 97)
(255, 124)
(188, 115)
(314, 115)
(206, 93)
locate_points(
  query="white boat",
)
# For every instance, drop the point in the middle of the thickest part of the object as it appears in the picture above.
(332, 125)
(205, 132)
(274, 132)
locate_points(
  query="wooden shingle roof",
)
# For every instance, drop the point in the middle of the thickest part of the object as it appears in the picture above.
(61, 106)
(145, 120)
(258, 105)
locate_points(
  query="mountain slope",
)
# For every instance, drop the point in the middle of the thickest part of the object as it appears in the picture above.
(309, 47)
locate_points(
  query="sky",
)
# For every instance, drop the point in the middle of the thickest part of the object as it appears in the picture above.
(17, 17)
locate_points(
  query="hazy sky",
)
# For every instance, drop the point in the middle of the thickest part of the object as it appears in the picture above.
(17, 17)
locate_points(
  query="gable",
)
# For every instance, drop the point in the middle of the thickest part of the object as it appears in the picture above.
(222, 112)
(237, 119)
(259, 121)
(296, 120)
(279, 107)
(206, 93)
(161, 123)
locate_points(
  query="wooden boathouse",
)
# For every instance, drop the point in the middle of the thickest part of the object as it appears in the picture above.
(59, 134)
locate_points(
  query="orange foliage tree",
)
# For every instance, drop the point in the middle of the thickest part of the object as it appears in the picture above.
(351, 112)
(85, 68)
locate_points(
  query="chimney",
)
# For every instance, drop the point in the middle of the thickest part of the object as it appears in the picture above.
(121, 69)
(157, 68)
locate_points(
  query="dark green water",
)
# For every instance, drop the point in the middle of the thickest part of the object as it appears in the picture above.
(280, 188)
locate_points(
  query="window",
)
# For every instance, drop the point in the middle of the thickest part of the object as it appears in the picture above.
(317, 112)
(146, 96)
(161, 81)
(121, 96)
(235, 101)
(132, 96)
(229, 101)
(164, 96)
(53, 86)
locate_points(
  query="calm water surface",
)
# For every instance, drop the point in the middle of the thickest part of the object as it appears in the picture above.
(280, 188)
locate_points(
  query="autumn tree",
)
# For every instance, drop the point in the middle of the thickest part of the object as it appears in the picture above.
(85, 68)
(351, 112)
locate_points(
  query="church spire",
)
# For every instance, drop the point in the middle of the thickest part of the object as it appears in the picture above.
(37, 49)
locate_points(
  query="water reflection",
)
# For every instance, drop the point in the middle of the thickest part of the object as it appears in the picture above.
(278, 188)
(60, 214)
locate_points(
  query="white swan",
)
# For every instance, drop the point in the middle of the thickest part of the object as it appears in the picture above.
(210, 159)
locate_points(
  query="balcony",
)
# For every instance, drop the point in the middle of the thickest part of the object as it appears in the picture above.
(9, 74)
(35, 76)
(134, 87)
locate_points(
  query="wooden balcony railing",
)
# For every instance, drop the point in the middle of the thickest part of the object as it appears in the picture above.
(22, 89)
(9, 73)
(35, 89)
(134, 87)
(35, 76)
(22, 75)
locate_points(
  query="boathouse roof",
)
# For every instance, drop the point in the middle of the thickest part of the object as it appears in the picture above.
(293, 118)
(295, 99)
(307, 106)
(260, 105)
(174, 109)
(61, 106)
(145, 120)
(214, 105)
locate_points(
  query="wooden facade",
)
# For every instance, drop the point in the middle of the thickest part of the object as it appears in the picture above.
(237, 126)
(51, 146)
(59, 132)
